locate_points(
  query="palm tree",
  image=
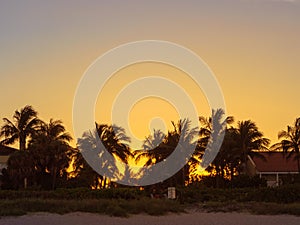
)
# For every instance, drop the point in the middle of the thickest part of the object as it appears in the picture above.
(51, 150)
(90, 148)
(185, 138)
(228, 157)
(151, 148)
(249, 141)
(290, 143)
(114, 142)
(211, 130)
(158, 147)
(24, 125)
(152, 142)
(209, 135)
(20, 168)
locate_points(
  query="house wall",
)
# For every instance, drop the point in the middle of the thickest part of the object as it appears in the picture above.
(3, 162)
(250, 167)
(271, 179)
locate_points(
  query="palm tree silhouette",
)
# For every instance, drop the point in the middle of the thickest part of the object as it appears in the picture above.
(115, 140)
(103, 153)
(159, 147)
(212, 154)
(290, 143)
(83, 170)
(152, 148)
(50, 149)
(209, 135)
(24, 125)
(20, 168)
(228, 157)
(152, 142)
(184, 138)
(249, 141)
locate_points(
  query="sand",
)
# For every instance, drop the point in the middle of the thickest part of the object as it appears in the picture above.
(171, 219)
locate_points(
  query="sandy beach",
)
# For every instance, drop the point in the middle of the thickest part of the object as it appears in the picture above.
(174, 219)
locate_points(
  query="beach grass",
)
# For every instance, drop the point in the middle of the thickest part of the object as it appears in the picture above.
(114, 207)
(259, 208)
(124, 208)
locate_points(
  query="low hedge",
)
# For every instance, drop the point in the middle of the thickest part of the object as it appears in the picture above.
(283, 194)
(76, 193)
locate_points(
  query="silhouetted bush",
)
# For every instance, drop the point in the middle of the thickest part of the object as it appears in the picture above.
(78, 193)
(244, 181)
(282, 194)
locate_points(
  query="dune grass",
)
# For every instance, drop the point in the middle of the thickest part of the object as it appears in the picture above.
(124, 208)
(114, 207)
(123, 202)
(259, 208)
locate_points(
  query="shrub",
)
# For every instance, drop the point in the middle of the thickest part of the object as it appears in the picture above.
(243, 181)
(78, 193)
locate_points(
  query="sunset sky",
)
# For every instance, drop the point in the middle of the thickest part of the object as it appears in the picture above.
(252, 46)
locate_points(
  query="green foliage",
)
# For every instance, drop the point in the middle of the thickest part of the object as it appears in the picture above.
(125, 201)
(290, 141)
(243, 181)
(120, 208)
(251, 207)
(78, 193)
(283, 194)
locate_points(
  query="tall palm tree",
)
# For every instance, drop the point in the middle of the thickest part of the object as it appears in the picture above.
(20, 168)
(24, 124)
(290, 143)
(152, 142)
(209, 134)
(113, 142)
(212, 128)
(228, 157)
(151, 148)
(250, 141)
(51, 150)
(185, 138)
(83, 173)
(159, 146)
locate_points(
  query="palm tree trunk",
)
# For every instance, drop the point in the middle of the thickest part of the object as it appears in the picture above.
(25, 183)
(54, 178)
(22, 142)
(231, 172)
(245, 162)
(105, 181)
(183, 176)
(217, 177)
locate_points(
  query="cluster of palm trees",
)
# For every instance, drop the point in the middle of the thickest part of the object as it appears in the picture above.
(44, 151)
(46, 159)
(239, 143)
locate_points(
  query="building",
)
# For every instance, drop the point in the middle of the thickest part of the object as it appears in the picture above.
(5, 152)
(273, 168)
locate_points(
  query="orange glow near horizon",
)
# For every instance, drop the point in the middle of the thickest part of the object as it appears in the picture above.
(150, 112)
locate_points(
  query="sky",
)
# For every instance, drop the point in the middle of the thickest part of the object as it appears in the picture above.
(252, 46)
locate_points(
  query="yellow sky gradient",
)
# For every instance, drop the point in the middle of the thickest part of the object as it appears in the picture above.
(148, 109)
(251, 46)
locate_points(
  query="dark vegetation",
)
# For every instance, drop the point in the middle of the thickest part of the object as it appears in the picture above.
(47, 174)
(126, 201)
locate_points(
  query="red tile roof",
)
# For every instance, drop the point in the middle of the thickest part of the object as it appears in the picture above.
(275, 162)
